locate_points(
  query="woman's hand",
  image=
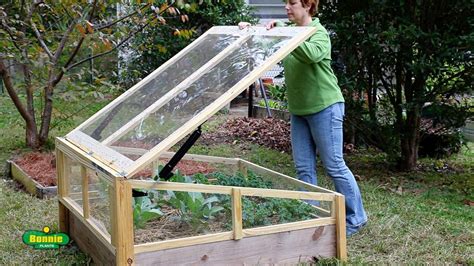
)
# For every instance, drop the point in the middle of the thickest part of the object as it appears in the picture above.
(272, 24)
(243, 25)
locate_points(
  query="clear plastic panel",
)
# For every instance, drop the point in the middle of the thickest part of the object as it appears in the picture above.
(166, 215)
(155, 88)
(99, 201)
(75, 181)
(205, 90)
(263, 211)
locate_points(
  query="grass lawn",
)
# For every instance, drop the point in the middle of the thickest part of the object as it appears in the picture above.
(415, 217)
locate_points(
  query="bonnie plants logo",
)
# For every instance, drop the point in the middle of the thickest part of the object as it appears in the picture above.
(44, 239)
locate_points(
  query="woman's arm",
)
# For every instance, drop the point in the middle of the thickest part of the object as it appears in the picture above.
(314, 50)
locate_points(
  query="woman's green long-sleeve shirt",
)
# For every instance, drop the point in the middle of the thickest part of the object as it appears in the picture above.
(311, 83)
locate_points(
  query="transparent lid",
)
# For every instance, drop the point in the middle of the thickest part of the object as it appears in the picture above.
(181, 94)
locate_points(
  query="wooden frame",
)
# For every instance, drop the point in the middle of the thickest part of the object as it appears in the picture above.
(296, 242)
(325, 235)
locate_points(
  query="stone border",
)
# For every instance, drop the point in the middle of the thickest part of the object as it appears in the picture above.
(31, 185)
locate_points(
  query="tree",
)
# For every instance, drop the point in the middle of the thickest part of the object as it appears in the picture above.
(47, 39)
(413, 52)
(152, 49)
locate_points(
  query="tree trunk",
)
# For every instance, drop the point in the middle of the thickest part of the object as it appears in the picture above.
(409, 140)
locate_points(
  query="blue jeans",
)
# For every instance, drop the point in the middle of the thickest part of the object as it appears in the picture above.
(322, 131)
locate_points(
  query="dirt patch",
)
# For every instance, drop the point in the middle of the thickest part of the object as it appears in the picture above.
(269, 132)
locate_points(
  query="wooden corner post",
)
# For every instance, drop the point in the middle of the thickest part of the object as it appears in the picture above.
(122, 222)
(341, 244)
(63, 174)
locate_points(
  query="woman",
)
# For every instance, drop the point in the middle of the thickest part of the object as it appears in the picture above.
(316, 105)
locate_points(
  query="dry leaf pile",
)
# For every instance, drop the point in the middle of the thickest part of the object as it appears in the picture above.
(269, 132)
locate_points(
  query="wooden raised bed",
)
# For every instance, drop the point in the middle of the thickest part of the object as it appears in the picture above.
(96, 162)
(283, 243)
(31, 186)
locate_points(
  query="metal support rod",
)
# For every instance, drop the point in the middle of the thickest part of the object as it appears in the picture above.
(264, 95)
(166, 173)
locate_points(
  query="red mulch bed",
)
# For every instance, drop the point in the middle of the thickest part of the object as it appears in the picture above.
(40, 166)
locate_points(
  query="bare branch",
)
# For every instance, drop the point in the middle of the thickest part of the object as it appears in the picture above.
(116, 46)
(111, 50)
(60, 49)
(40, 40)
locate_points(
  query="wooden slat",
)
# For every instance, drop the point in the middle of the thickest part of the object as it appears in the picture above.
(62, 173)
(104, 154)
(298, 247)
(284, 178)
(85, 192)
(123, 222)
(63, 218)
(258, 30)
(237, 213)
(203, 158)
(90, 243)
(286, 194)
(175, 91)
(183, 242)
(286, 227)
(341, 228)
(77, 213)
(160, 185)
(137, 86)
(218, 104)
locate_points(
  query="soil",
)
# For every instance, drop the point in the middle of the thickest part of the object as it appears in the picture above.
(40, 166)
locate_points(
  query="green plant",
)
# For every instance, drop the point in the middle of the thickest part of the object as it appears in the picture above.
(277, 92)
(144, 210)
(193, 207)
(273, 104)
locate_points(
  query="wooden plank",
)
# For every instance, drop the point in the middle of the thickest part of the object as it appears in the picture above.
(144, 81)
(287, 248)
(211, 109)
(95, 149)
(183, 242)
(341, 228)
(32, 186)
(175, 91)
(62, 173)
(80, 156)
(85, 192)
(74, 210)
(63, 218)
(161, 185)
(90, 243)
(123, 228)
(258, 30)
(203, 158)
(237, 213)
(265, 230)
(286, 194)
(284, 178)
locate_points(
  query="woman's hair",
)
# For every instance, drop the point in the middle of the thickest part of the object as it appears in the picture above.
(313, 4)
